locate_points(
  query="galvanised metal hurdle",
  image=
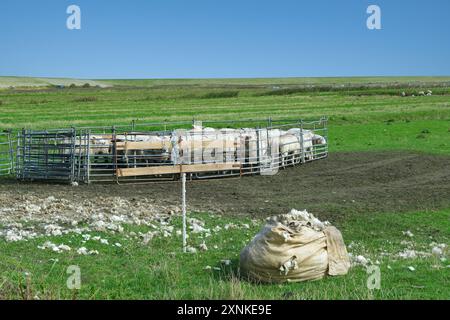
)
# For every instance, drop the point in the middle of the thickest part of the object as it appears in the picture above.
(7, 153)
(148, 152)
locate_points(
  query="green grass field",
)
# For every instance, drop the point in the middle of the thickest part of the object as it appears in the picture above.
(365, 114)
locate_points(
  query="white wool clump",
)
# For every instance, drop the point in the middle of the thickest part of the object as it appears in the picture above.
(147, 237)
(408, 233)
(196, 228)
(83, 251)
(191, 250)
(50, 199)
(413, 254)
(296, 220)
(118, 218)
(14, 234)
(32, 208)
(362, 260)
(101, 225)
(286, 235)
(53, 230)
(203, 246)
(225, 262)
(55, 248)
(167, 231)
(64, 247)
(86, 237)
(288, 266)
(358, 260)
(230, 226)
(304, 215)
(437, 251)
(408, 254)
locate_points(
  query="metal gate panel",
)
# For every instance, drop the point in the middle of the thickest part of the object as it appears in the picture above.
(46, 155)
(6, 153)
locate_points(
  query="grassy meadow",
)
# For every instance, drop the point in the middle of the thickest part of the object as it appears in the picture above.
(365, 114)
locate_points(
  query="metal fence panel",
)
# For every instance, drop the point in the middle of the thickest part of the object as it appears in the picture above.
(143, 152)
(7, 147)
(46, 155)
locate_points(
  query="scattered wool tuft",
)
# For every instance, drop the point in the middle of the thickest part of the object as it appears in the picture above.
(408, 254)
(191, 250)
(408, 233)
(203, 246)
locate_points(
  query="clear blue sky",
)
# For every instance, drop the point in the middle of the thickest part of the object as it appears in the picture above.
(224, 38)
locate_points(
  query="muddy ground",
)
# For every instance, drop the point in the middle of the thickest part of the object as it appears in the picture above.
(344, 183)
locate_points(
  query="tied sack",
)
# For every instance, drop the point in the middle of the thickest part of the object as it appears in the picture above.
(295, 247)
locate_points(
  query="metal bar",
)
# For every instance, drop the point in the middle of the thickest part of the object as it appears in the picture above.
(183, 206)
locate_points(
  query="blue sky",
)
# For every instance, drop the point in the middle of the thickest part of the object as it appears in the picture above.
(224, 38)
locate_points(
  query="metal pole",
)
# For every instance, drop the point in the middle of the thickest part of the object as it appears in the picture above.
(183, 205)
(11, 153)
(302, 142)
(88, 155)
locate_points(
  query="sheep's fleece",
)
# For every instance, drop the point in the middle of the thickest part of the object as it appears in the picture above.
(295, 247)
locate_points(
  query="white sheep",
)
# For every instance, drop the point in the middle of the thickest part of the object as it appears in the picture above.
(289, 149)
(307, 142)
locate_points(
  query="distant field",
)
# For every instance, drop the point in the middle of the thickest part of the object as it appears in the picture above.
(281, 81)
(25, 82)
(29, 82)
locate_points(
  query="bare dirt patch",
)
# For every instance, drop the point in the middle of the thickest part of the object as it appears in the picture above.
(362, 182)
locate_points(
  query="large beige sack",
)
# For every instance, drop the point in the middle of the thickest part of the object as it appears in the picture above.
(295, 247)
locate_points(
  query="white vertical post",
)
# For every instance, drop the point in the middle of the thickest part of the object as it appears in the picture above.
(183, 205)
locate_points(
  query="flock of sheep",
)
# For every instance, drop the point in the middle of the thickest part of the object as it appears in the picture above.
(208, 145)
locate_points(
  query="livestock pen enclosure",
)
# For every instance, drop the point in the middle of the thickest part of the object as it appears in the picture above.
(162, 151)
(384, 184)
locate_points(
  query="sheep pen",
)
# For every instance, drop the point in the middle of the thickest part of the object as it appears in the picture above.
(161, 152)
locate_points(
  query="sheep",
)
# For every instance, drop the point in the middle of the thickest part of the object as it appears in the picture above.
(99, 144)
(307, 137)
(146, 156)
(195, 145)
(249, 139)
(289, 149)
(318, 139)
